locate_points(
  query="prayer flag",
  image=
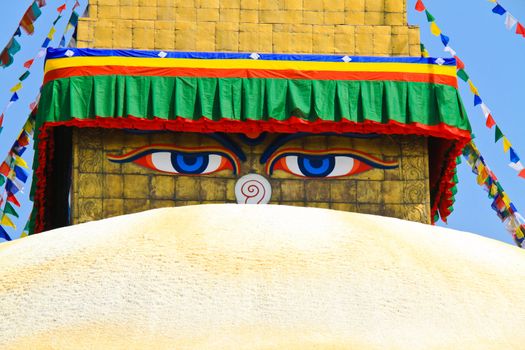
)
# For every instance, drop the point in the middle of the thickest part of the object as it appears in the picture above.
(434, 29)
(61, 8)
(485, 110)
(497, 134)
(14, 98)
(20, 174)
(8, 209)
(498, 9)
(3, 234)
(477, 100)
(24, 76)
(11, 198)
(520, 29)
(16, 87)
(7, 222)
(490, 121)
(11, 187)
(513, 156)
(473, 88)
(430, 18)
(28, 63)
(20, 161)
(506, 144)
(463, 75)
(445, 39)
(510, 21)
(5, 168)
(420, 7)
(522, 174)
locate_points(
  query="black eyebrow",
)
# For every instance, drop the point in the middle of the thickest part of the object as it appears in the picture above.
(285, 138)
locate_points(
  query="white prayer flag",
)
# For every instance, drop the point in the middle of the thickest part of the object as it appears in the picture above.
(485, 109)
(450, 50)
(510, 21)
(516, 166)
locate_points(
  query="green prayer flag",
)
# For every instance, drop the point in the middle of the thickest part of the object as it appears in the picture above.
(8, 209)
(2, 180)
(430, 18)
(463, 75)
(24, 76)
(57, 19)
(498, 134)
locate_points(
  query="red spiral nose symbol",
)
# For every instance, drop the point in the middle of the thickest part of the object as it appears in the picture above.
(253, 189)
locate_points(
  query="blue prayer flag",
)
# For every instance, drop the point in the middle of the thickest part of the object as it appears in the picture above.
(445, 39)
(3, 234)
(477, 100)
(14, 98)
(20, 174)
(10, 187)
(46, 42)
(513, 156)
(18, 32)
(498, 9)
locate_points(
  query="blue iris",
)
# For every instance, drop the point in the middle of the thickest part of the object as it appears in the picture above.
(190, 163)
(316, 166)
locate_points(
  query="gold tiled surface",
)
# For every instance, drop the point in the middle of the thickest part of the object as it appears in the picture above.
(353, 27)
(103, 189)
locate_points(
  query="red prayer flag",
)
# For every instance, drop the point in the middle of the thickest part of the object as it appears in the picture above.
(1, 119)
(23, 140)
(77, 4)
(11, 198)
(522, 174)
(520, 29)
(61, 8)
(420, 6)
(29, 63)
(5, 169)
(459, 63)
(490, 121)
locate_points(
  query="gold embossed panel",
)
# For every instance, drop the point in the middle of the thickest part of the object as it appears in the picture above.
(353, 27)
(102, 188)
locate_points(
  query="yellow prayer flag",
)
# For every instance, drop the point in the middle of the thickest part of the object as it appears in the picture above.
(506, 144)
(493, 0)
(24, 234)
(16, 87)
(7, 222)
(493, 190)
(51, 33)
(424, 53)
(21, 162)
(473, 88)
(505, 199)
(28, 127)
(434, 29)
(519, 233)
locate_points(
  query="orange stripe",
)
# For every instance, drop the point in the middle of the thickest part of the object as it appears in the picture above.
(249, 73)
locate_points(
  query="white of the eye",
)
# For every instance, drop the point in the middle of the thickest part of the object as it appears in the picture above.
(343, 166)
(162, 162)
(293, 165)
(214, 162)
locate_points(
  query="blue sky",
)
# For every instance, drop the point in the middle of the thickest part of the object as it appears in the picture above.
(494, 60)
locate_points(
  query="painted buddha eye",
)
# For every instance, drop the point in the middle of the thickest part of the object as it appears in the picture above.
(182, 161)
(324, 164)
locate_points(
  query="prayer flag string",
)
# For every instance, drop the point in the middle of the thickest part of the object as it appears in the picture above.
(15, 89)
(501, 203)
(14, 170)
(490, 122)
(509, 20)
(27, 25)
(13, 176)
